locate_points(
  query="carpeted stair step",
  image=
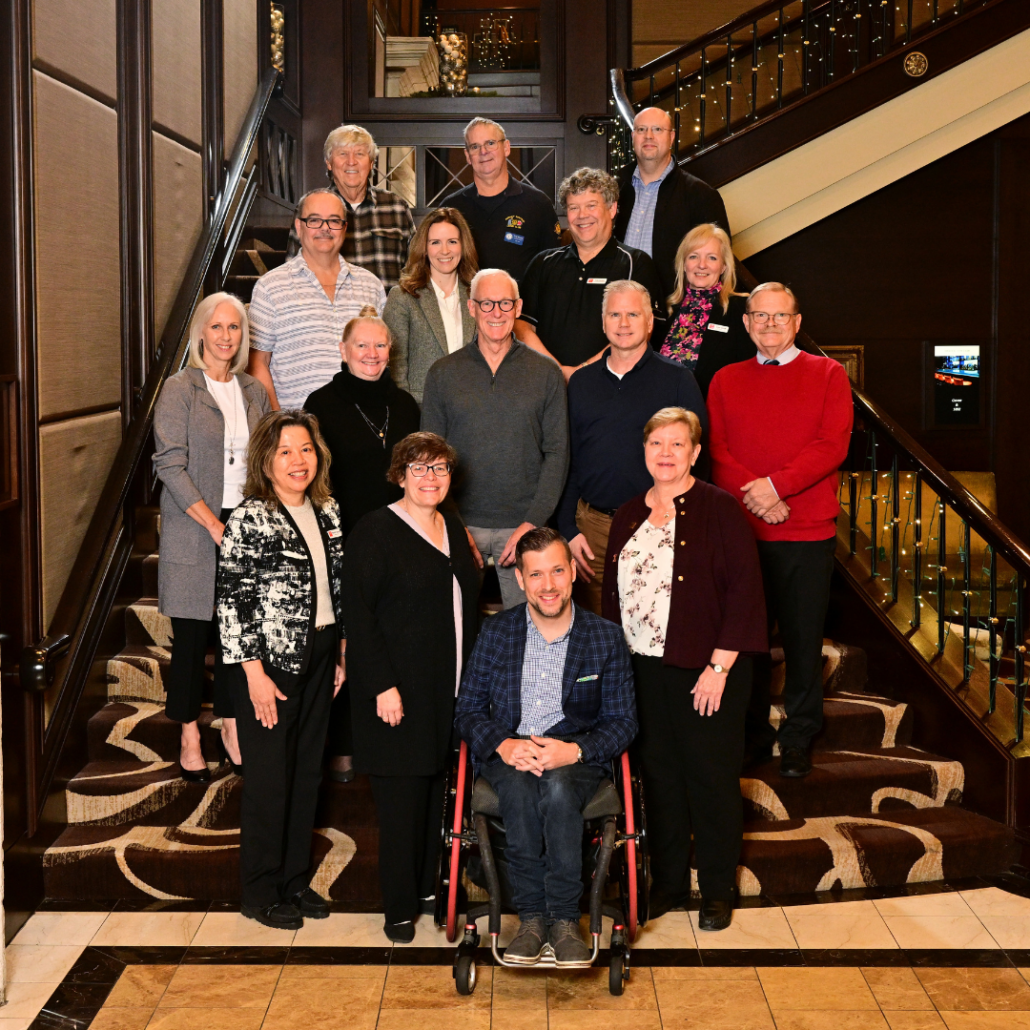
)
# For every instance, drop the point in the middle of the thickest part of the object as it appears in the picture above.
(858, 720)
(853, 782)
(150, 575)
(136, 673)
(145, 625)
(841, 852)
(141, 730)
(844, 669)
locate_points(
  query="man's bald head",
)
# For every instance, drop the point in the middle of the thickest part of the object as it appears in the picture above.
(653, 134)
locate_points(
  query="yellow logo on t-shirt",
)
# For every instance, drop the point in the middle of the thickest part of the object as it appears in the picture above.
(514, 221)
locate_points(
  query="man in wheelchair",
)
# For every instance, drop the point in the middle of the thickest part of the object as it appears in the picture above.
(546, 703)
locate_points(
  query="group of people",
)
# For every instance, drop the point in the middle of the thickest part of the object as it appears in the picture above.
(643, 454)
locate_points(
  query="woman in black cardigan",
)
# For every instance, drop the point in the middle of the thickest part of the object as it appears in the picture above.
(410, 588)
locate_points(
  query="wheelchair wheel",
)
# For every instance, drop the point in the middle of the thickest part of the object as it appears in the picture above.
(618, 973)
(635, 868)
(465, 974)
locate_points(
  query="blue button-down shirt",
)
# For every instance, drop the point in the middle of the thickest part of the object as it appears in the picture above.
(543, 666)
(640, 230)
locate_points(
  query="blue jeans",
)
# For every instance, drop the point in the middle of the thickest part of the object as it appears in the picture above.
(543, 824)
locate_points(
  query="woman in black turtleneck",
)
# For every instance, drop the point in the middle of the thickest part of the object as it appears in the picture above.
(362, 413)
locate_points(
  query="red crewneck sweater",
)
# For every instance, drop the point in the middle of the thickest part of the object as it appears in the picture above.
(791, 423)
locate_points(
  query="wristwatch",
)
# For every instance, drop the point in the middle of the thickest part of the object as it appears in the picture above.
(580, 750)
(717, 667)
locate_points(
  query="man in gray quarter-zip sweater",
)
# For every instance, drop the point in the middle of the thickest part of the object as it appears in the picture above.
(501, 406)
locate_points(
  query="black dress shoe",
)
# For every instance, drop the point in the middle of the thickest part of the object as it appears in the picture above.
(311, 904)
(795, 761)
(195, 775)
(400, 933)
(714, 915)
(280, 916)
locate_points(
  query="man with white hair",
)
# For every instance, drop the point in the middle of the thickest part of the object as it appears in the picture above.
(511, 221)
(501, 406)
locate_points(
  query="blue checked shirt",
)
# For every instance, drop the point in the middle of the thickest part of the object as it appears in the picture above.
(542, 669)
(640, 230)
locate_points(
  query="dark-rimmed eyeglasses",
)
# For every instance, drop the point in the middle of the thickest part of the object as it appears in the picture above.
(419, 468)
(488, 305)
(335, 222)
(762, 317)
(487, 144)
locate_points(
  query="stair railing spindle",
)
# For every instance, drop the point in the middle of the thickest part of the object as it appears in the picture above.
(701, 96)
(754, 70)
(967, 647)
(806, 46)
(831, 50)
(895, 529)
(1020, 641)
(942, 570)
(992, 634)
(853, 478)
(779, 63)
(908, 24)
(917, 558)
(874, 522)
(729, 82)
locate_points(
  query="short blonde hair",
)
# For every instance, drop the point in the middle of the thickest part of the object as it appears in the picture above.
(773, 288)
(348, 135)
(480, 120)
(670, 417)
(702, 234)
(205, 309)
(368, 315)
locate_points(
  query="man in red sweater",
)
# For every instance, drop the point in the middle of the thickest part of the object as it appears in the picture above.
(780, 427)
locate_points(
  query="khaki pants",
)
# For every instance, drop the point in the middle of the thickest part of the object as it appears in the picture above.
(595, 527)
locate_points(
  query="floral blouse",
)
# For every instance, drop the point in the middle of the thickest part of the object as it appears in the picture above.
(645, 587)
(687, 325)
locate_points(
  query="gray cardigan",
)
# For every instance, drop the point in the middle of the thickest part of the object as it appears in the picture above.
(419, 338)
(189, 455)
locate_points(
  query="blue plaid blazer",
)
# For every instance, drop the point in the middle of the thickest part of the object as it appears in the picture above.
(598, 698)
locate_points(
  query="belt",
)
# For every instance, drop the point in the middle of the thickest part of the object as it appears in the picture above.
(328, 625)
(609, 512)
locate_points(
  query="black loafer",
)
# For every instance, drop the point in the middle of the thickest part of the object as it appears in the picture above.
(311, 904)
(400, 933)
(795, 761)
(714, 915)
(280, 916)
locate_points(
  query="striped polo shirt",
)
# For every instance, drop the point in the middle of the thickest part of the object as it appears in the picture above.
(292, 318)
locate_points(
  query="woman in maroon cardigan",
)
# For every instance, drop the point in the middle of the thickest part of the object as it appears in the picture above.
(683, 579)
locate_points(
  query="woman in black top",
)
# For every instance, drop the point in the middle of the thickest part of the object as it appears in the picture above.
(706, 318)
(410, 588)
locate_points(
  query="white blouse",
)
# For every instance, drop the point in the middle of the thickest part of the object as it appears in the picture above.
(645, 587)
(450, 312)
(229, 398)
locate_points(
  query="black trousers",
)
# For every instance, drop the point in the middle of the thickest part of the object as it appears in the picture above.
(184, 681)
(284, 772)
(691, 773)
(797, 575)
(341, 735)
(410, 809)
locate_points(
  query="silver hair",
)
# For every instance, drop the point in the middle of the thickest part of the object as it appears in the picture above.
(484, 272)
(311, 193)
(624, 286)
(479, 120)
(347, 135)
(583, 179)
(772, 288)
(205, 309)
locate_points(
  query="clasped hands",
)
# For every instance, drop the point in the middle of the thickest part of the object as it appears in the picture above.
(537, 754)
(760, 499)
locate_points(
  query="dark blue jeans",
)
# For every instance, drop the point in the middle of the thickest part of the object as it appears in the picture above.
(543, 824)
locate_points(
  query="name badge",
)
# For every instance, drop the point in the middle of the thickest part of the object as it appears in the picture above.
(597, 282)
(511, 237)
(334, 533)
(718, 328)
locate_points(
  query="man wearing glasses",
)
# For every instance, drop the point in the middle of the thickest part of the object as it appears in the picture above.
(511, 221)
(780, 427)
(660, 202)
(501, 406)
(298, 310)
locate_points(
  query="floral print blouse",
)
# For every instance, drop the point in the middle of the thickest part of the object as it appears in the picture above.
(645, 587)
(688, 323)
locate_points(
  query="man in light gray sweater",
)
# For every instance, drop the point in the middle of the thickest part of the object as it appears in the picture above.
(501, 406)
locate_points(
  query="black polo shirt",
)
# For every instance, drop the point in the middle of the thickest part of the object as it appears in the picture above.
(511, 228)
(561, 297)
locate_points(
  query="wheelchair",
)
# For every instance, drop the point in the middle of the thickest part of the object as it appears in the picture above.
(473, 852)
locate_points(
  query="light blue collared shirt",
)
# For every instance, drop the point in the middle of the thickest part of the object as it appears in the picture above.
(543, 667)
(783, 359)
(640, 231)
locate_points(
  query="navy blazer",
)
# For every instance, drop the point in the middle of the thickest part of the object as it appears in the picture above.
(598, 698)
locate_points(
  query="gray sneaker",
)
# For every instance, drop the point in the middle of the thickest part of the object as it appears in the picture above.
(569, 947)
(525, 949)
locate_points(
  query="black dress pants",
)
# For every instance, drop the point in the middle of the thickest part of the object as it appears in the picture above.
(184, 681)
(410, 810)
(691, 773)
(797, 575)
(340, 739)
(284, 772)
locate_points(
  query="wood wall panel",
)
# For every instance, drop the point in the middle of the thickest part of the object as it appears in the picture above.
(175, 63)
(79, 39)
(75, 457)
(78, 291)
(666, 24)
(178, 218)
(240, 67)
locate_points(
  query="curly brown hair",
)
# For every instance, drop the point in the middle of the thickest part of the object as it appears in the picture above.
(264, 442)
(427, 447)
(415, 276)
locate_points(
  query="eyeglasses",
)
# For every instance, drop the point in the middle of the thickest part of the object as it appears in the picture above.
(488, 305)
(487, 145)
(335, 222)
(762, 317)
(643, 130)
(419, 468)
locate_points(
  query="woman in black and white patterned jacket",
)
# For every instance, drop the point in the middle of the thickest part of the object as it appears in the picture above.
(279, 616)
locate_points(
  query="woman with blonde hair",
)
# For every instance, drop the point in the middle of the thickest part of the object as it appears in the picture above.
(706, 317)
(202, 425)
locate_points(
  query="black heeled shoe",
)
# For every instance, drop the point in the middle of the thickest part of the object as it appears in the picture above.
(195, 775)
(226, 757)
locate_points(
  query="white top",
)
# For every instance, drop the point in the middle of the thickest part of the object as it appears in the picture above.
(784, 359)
(450, 312)
(307, 523)
(645, 587)
(229, 398)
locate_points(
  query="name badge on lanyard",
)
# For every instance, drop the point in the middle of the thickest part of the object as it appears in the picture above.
(596, 282)
(718, 328)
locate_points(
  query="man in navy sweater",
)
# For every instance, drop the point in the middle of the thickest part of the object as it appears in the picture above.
(610, 402)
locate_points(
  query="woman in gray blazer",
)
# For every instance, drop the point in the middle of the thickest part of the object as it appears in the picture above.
(202, 425)
(428, 312)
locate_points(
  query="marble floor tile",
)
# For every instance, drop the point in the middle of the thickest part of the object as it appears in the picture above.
(522, 990)
(703, 973)
(588, 989)
(520, 1019)
(1006, 916)
(40, 963)
(727, 1001)
(823, 988)
(343, 930)
(432, 987)
(319, 996)
(233, 930)
(206, 1019)
(673, 930)
(23, 1023)
(751, 928)
(429, 935)
(148, 928)
(897, 989)
(752, 1018)
(943, 931)
(847, 924)
(470, 1017)
(322, 1019)
(976, 989)
(950, 904)
(221, 987)
(339, 972)
(26, 999)
(986, 1020)
(904, 1019)
(60, 928)
(140, 986)
(581, 1019)
(831, 1019)
(114, 1018)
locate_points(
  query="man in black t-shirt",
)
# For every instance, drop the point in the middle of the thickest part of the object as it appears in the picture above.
(511, 221)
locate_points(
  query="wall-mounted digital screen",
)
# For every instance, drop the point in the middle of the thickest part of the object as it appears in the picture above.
(956, 384)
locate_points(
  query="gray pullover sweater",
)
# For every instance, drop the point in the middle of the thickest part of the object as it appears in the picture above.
(510, 430)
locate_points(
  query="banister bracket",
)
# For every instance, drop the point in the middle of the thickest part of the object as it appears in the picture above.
(38, 663)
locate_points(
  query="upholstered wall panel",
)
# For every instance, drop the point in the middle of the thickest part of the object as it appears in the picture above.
(666, 24)
(240, 67)
(79, 39)
(178, 216)
(78, 293)
(74, 459)
(175, 62)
